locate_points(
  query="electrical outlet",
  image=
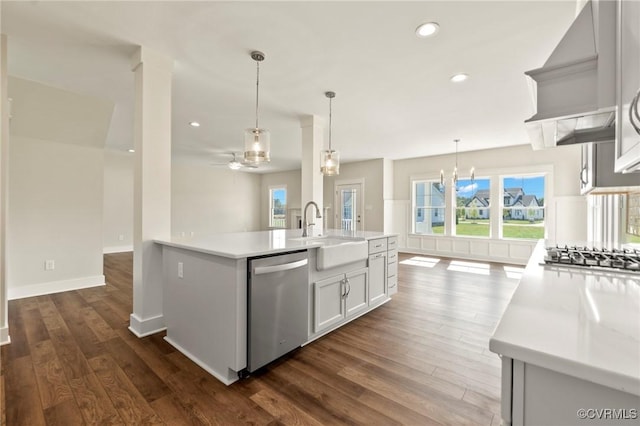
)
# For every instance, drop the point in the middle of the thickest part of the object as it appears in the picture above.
(120, 237)
(180, 270)
(49, 265)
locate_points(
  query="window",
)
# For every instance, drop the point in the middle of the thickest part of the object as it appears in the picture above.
(278, 207)
(473, 207)
(428, 207)
(523, 209)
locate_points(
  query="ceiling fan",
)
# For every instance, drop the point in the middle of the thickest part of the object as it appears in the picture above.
(234, 164)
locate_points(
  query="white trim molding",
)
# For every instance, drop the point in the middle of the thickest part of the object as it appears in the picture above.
(147, 326)
(117, 249)
(20, 292)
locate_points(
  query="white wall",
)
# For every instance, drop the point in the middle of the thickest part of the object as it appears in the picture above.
(55, 213)
(207, 200)
(117, 228)
(566, 209)
(293, 180)
(372, 171)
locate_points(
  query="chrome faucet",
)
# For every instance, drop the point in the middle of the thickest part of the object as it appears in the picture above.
(305, 225)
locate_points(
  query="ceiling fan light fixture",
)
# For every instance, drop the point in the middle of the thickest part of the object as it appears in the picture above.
(330, 158)
(257, 141)
(235, 165)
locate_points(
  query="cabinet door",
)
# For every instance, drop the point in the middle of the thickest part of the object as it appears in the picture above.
(627, 137)
(377, 278)
(329, 306)
(357, 298)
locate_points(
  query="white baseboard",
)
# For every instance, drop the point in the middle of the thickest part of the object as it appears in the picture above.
(4, 336)
(117, 249)
(20, 292)
(146, 327)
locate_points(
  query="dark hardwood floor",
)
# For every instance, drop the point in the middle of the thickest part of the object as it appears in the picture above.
(420, 359)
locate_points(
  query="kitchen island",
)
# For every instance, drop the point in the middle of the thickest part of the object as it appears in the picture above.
(206, 295)
(570, 341)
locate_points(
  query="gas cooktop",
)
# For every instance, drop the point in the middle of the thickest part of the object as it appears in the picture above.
(627, 260)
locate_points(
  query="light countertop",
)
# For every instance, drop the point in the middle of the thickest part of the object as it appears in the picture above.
(584, 323)
(238, 245)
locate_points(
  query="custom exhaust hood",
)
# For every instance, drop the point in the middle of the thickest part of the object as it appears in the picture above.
(574, 91)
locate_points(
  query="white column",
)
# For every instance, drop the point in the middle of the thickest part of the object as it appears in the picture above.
(152, 186)
(312, 179)
(4, 172)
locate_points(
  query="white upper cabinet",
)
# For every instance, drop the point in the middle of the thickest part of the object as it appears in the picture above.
(628, 88)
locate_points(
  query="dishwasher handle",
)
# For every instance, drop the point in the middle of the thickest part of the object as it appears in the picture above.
(259, 270)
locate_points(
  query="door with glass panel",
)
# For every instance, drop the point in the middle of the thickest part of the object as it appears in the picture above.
(349, 214)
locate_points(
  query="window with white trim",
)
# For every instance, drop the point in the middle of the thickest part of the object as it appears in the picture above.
(473, 209)
(277, 207)
(428, 207)
(523, 209)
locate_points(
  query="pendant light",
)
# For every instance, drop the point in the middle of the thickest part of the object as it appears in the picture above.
(455, 170)
(330, 159)
(257, 140)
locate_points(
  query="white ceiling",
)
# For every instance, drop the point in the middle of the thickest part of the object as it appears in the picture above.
(394, 98)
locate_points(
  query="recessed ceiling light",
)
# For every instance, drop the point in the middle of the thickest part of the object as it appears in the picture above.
(457, 78)
(194, 124)
(427, 29)
(132, 150)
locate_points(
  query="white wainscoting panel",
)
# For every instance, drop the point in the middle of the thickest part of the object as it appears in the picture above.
(499, 250)
(444, 245)
(429, 245)
(505, 251)
(520, 251)
(462, 246)
(414, 242)
(479, 248)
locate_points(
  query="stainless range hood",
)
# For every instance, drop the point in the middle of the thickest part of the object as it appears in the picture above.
(575, 88)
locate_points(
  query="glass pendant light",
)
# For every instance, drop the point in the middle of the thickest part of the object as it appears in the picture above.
(330, 159)
(256, 140)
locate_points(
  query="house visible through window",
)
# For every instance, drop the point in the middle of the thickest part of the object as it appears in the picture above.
(428, 208)
(523, 208)
(278, 207)
(472, 207)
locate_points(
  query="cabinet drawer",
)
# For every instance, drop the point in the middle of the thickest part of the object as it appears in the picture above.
(377, 245)
(392, 285)
(392, 243)
(392, 269)
(392, 256)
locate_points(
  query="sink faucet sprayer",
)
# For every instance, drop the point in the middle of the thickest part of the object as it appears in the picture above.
(306, 225)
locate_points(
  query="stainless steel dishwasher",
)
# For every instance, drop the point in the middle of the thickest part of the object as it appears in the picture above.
(278, 306)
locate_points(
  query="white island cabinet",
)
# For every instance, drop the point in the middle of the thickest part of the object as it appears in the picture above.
(570, 347)
(205, 292)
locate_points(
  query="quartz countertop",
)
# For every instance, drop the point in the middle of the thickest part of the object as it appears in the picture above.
(238, 245)
(584, 323)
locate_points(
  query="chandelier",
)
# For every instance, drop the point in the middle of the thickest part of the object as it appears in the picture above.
(455, 170)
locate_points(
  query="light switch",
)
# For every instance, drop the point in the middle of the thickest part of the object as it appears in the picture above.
(180, 270)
